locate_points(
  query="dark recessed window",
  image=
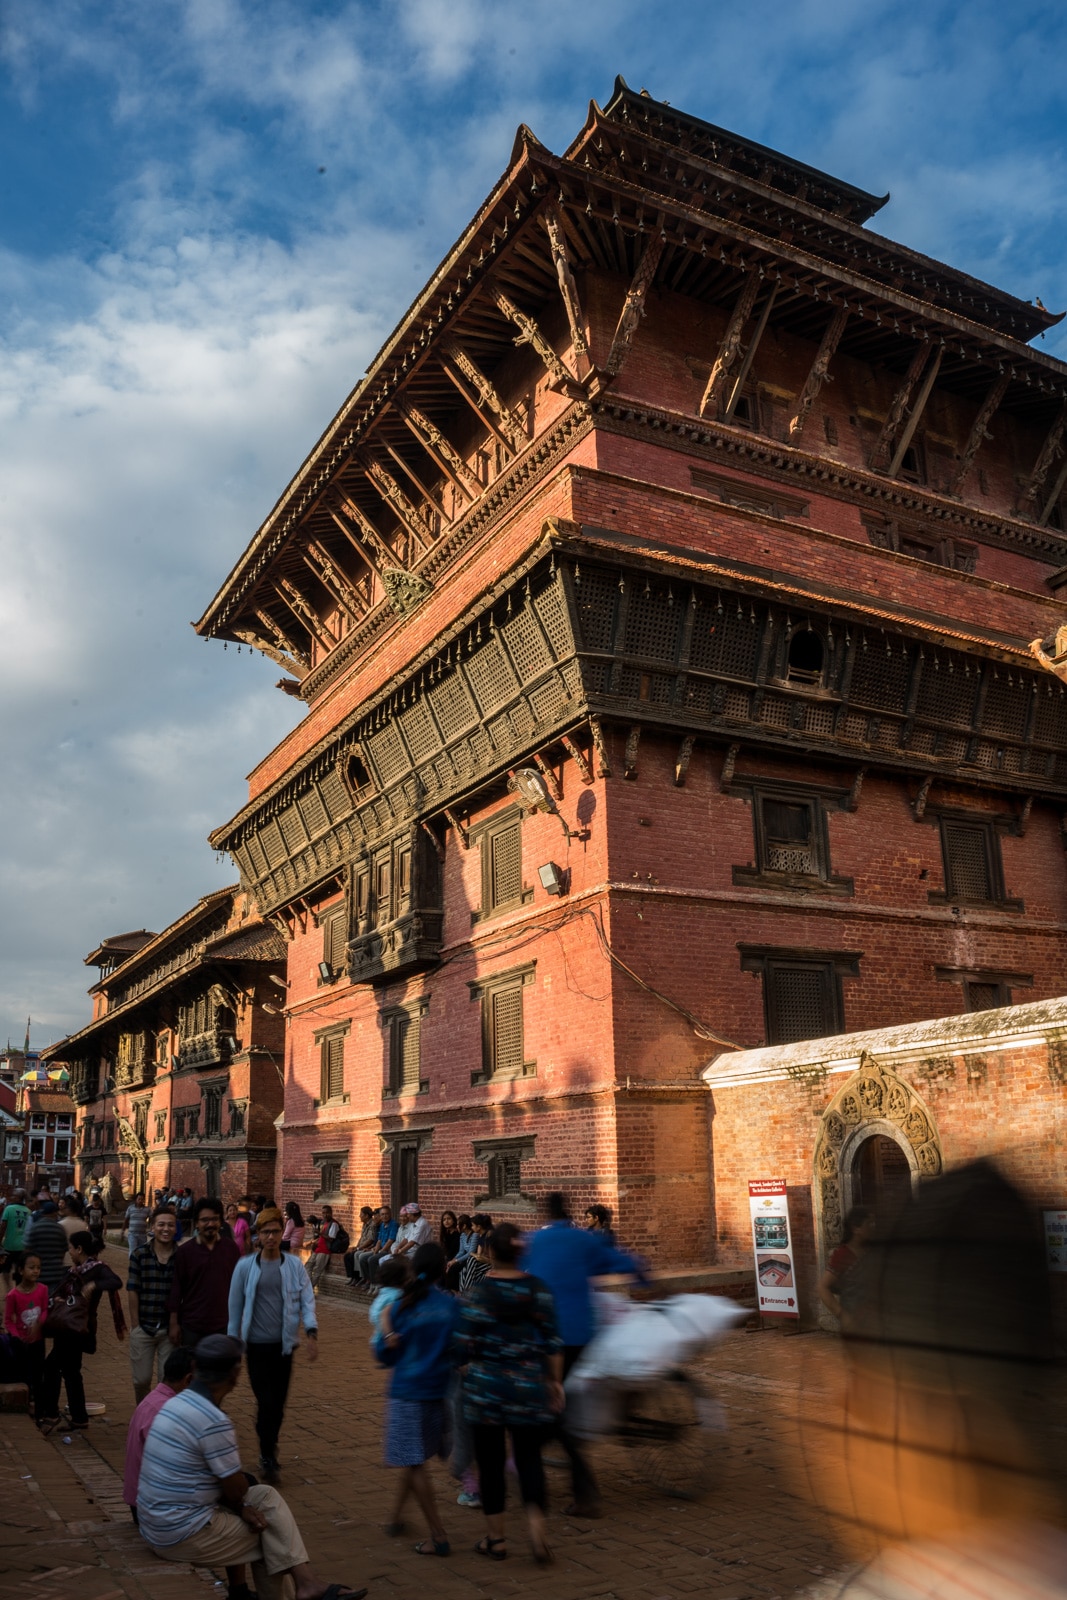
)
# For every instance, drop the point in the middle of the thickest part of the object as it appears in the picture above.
(790, 835)
(332, 1067)
(335, 941)
(805, 657)
(503, 1024)
(801, 993)
(405, 1051)
(792, 840)
(502, 885)
(971, 852)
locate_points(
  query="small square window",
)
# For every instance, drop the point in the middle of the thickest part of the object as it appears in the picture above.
(792, 841)
(502, 885)
(971, 853)
(802, 996)
(329, 1177)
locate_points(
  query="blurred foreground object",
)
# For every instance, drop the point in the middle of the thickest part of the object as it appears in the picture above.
(951, 1383)
(1052, 652)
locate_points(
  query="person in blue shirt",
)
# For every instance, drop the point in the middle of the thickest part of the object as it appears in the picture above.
(367, 1261)
(566, 1259)
(416, 1343)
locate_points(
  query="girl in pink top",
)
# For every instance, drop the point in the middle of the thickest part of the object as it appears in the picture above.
(25, 1310)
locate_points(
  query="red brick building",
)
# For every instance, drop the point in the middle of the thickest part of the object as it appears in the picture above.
(661, 603)
(177, 1078)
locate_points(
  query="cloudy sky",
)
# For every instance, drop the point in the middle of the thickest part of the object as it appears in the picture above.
(211, 214)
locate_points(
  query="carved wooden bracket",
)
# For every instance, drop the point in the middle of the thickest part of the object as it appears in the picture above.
(918, 805)
(629, 760)
(437, 844)
(819, 374)
(603, 764)
(989, 406)
(852, 803)
(437, 447)
(1050, 451)
(488, 406)
(726, 776)
(633, 309)
(880, 455)
(555, 788)
(529, 333)
(568, 287)
(731, 344)
(460, 831)
(578, 758)
(681, 766)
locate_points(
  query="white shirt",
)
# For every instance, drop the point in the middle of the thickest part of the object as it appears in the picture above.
(418, 1232)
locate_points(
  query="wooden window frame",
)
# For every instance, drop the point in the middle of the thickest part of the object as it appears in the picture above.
(484, 834)
(325, 1163)
(485, 991)
(1005, 981)
(491, 1151)
(766, 960)
(820, 801)
(993, 826)
(333, 923)
(325, 1038)
(397, 1022)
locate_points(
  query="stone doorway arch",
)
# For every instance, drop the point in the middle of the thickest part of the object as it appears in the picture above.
(874, 1100)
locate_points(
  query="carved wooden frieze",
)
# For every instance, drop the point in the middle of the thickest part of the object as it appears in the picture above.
(405, 590)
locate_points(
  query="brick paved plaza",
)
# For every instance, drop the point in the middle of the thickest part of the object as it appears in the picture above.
(65, 1532)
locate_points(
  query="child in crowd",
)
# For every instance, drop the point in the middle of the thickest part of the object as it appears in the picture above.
(25, 1310)
(393, 1274)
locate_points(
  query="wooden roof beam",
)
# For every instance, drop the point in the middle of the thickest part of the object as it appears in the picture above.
(731, 344)
(880, 455)
(395, 498)
(282, 639)
(441, 453)
(304, 612)
(633, 309)
(819, 373)
(1050, 452)
(916, 413)
(414, 478)
(371, 538)
(568, 288)
(986, 410)
(507, 427)
(529, 333)
(1053, 499)
(345, 591)
(272, 652)
(750, 355)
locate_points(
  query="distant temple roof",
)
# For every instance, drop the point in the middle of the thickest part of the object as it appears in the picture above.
(119, 945)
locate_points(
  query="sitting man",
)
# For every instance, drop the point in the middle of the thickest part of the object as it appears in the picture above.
(195, 1504)
(413, 1230)
(367, 1261)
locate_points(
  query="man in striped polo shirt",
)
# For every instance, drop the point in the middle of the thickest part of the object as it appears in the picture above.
(194, 1502)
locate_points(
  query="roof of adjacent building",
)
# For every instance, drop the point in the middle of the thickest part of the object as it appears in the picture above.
(1005, 1027)
(47, 1100)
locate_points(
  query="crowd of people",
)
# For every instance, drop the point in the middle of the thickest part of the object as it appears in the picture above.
(477, 1324)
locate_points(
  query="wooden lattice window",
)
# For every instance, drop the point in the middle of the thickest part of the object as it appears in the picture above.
(791, 838)
(213, 1111)
(502, 885)
(335, 940)
(238, 1113)
(503, 1024)
(330, 1167)
(789, 835)
(971, 852)
(332, 1066)
(801, 991)
(504, 1174)
(984, 990)
(405, 1050)
(161, 1126)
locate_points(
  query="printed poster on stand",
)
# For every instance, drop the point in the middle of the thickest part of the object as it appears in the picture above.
(772, 1244)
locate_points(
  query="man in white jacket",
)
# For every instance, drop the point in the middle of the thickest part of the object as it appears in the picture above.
(270, 1296)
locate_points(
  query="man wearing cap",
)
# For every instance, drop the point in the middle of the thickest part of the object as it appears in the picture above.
(194, 1503)
(270, 1295)
(413, 1231)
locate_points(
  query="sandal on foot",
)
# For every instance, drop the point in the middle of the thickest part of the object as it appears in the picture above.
(433, 1547)
(489, 1547)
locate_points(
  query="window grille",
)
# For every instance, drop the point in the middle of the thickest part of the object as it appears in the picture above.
(505, 1174)
(505, 870)
(330, 1177)
(652, 625)
(725, 643)
(293, 831)
(333, 1068)
(880, 680)
(419, 732)
(270, 838)
(335, 941)
(505, 1026)
(554, 620)
(597, 594)
(452, 706)
(387, 753)
(338, 801)
(945, 696)
(405, 1053)
(526, 643)
(801, 990)
(212, 1113)
(971, 859)
(491, 677)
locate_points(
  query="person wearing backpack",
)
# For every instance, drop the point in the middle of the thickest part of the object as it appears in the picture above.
(72, 1324)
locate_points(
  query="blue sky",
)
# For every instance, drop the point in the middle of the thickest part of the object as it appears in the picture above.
(213, 212)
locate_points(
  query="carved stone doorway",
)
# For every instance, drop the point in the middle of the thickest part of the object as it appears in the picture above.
(877, 1141)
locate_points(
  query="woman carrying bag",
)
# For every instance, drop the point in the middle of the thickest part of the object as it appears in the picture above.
(513, 1383)
(71, 1324)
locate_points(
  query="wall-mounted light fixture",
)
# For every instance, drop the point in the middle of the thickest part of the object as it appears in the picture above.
(531, 788)
(325, 972)
(554, 880)
(274, 978)
(272, 1011)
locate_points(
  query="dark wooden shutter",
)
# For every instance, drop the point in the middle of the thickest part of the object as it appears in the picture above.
(800, 1002)
(968, 860)
(405, 1054)
(505, 866)
(333, 1068)
(985, 996)
(789, 835)
(505, 1029)
(334, 942)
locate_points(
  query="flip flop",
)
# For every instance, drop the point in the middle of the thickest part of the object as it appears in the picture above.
(433, 1547)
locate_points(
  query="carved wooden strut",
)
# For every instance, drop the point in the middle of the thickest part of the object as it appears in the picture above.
(731, 344)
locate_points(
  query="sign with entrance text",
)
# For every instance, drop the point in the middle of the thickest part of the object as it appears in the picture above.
(772, 1243)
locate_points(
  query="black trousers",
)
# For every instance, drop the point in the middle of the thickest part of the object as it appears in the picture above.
(269, 1373)
(490, 1452)
(63, 1364)
(30, 1369)
(584, 1486)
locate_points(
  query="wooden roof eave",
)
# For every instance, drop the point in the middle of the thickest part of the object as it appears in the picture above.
(148, 952)
(920, 312)
(375, 379)
(1040, 320)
